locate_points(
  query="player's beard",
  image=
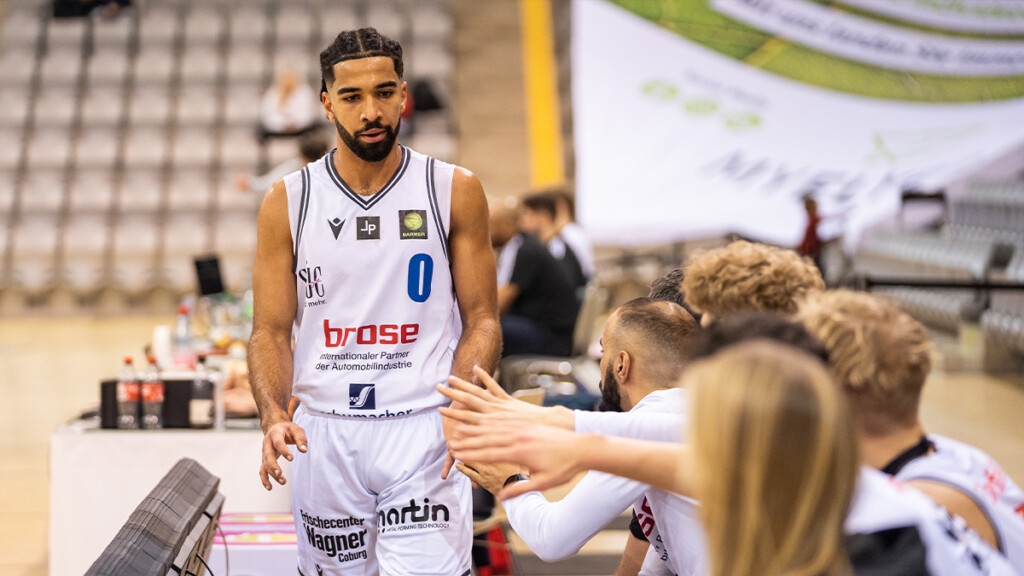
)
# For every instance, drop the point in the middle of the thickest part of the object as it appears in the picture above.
(611, 401)
(370, 151)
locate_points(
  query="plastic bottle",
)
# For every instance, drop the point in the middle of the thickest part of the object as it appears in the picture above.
(152, 397)
(200, 404)
(182, 354)
(219, 412)
(127, 396)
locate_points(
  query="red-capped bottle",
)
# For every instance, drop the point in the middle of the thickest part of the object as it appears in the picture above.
(127, 396)
(152, 397)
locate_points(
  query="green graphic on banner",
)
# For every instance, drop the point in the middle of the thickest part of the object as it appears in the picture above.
(705, 23)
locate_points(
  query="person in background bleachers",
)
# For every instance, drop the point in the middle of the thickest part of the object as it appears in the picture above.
(77, 8)
(881, 358)
(669, 287)
(288, 108)
(537, 217)
(312, 147)
(570, 231)
(748, 276)
(537, 302)
(810, 245)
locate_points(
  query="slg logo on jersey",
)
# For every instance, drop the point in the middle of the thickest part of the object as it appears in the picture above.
(368, 228)
(362, 397)
(336, 225)
(314, 285)
(412, 224)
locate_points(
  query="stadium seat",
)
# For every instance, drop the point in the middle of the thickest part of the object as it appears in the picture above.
(190, 190)
(34, 259)
(10, 146)
(43, 191)
(103, 106)
(193, 147)
(135, 252)
(141, 190)
(83, 267)
(92, 190)
(145, 147)
(97, 147)
(197, 104)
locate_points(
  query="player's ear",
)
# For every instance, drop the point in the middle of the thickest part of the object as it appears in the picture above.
(623, 364)
(325, 99)
(405, 95)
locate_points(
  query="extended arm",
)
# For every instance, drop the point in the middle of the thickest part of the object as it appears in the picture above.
(270, 354)
(554, 456)
(475, 281)
(475, 278)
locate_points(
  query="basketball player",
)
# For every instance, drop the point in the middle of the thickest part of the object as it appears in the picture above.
(881, 357)
(364, 251)
(644, 346)
(748, 276)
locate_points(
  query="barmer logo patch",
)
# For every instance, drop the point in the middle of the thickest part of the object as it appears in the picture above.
(368, 228)
(336, 225)
(412, 224)
(362, 397)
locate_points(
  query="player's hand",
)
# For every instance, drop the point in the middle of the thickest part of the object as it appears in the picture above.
(449, 461)
(276, 439)
(553, 456)
(496, 404)
(490, 477)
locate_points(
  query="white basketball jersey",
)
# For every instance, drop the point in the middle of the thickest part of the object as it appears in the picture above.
(975, 474)
(881, 504)
(377, 322)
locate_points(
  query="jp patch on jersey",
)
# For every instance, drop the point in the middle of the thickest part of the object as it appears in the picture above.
(368, 228)
(412, 224)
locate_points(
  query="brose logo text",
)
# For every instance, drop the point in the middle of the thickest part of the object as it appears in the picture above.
(371, 334)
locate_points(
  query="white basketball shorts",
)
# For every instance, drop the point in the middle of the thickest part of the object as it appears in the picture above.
(368, 498)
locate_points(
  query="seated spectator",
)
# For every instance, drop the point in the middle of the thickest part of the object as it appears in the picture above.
(748, 276)
(537, 303)
(312, 147)
(669, 287)
(881, 358)
(537, 217)
(288, 108)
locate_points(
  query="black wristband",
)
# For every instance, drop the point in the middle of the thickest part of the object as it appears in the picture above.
(515, 478)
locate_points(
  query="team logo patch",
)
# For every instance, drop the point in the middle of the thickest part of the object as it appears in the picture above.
(362, 397)
(412, 224)
(336, 225)
(368, 228)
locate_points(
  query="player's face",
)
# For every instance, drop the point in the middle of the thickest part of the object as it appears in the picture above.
(611, 400)
(365, 103)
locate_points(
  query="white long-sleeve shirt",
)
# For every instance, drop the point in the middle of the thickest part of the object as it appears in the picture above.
(556, 530)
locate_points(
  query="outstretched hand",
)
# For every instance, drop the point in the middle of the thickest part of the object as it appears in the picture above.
(496, 404)
(275, 444)
(554, 456)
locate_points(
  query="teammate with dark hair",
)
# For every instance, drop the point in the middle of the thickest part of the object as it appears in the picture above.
(363, 252)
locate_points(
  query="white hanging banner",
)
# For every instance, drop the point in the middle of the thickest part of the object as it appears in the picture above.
(675, 140)
(990, 16)
(841, 34)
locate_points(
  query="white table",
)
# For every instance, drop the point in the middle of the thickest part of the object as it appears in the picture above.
(98, 477)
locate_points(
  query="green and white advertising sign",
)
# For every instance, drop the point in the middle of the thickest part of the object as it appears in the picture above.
(701, 117)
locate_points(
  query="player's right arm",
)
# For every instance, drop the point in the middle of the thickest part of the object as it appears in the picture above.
(270, 353)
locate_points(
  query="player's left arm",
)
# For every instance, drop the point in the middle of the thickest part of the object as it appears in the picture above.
(475, 278)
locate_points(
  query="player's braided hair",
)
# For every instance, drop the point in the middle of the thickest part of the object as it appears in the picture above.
(355, 44)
